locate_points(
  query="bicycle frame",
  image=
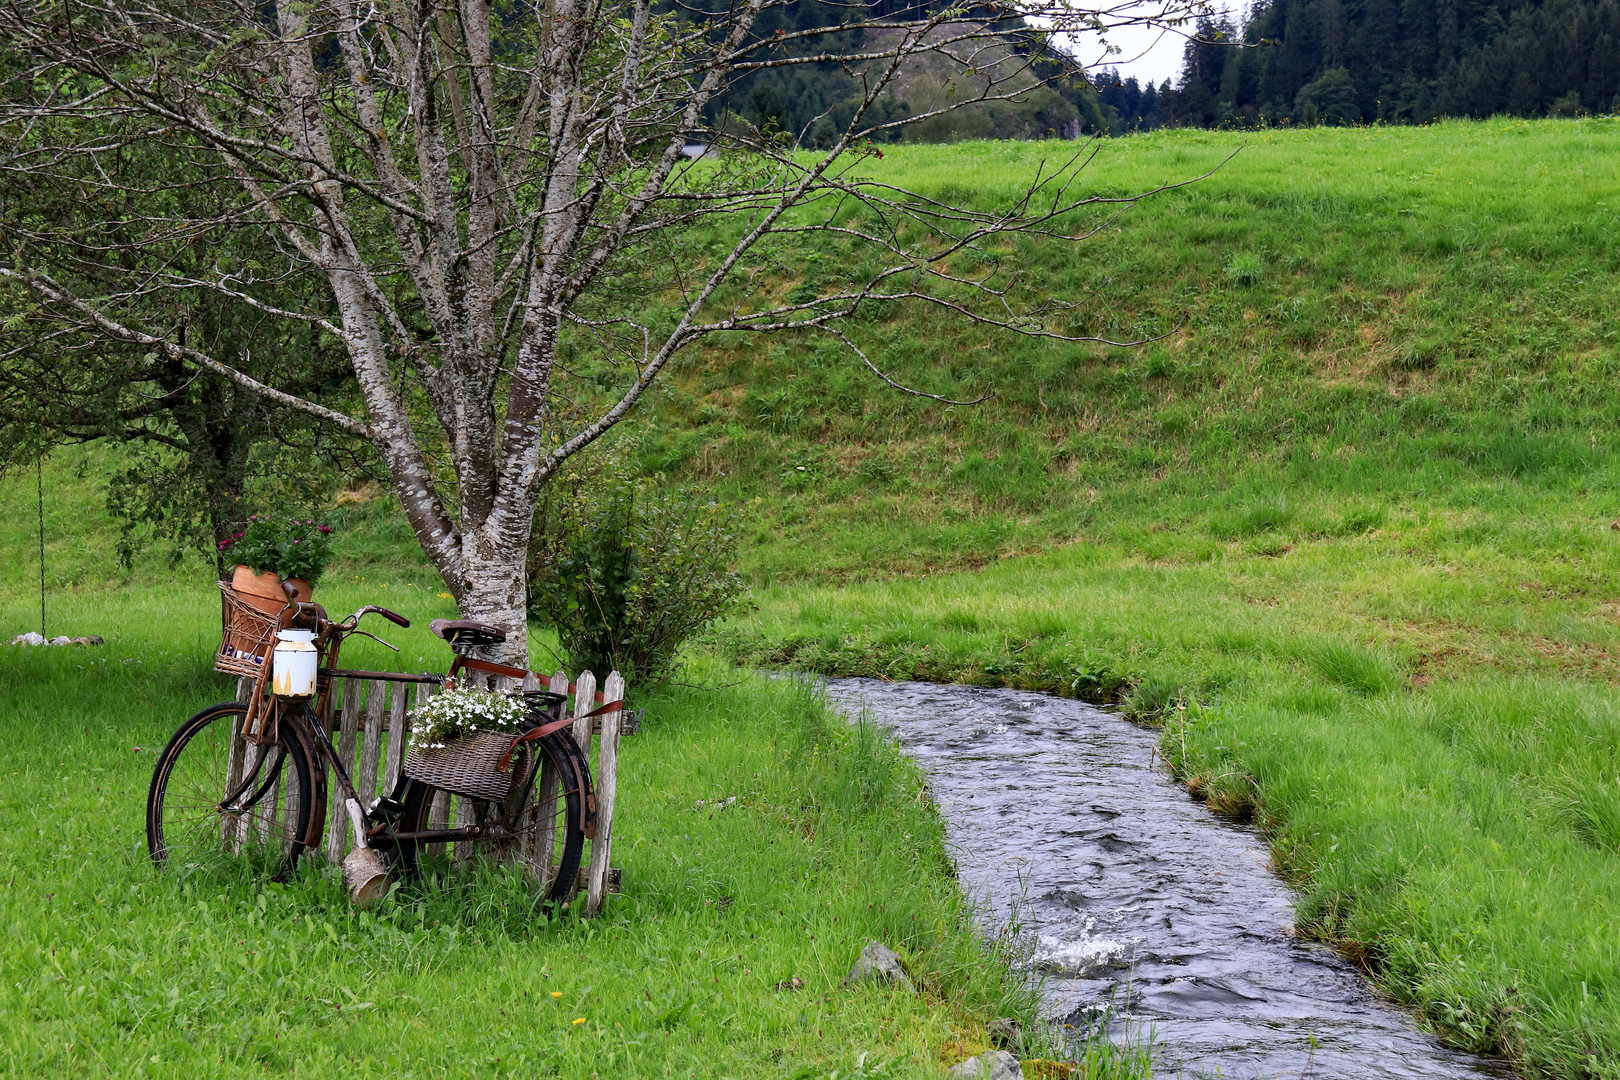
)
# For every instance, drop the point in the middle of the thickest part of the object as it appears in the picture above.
(314, 722)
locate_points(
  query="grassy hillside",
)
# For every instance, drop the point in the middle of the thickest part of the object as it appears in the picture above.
(1350, 535)
(1372, 316)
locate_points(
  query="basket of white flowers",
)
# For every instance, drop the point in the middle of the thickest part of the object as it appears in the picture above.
(458, 741)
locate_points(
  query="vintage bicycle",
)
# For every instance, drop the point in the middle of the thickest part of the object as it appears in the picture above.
(245, 781)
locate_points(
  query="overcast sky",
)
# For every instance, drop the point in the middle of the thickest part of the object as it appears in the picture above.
(1147, 54)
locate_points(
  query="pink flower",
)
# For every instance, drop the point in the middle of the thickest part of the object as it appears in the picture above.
(324, 529)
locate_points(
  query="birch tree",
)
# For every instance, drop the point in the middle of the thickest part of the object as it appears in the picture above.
(452, 191)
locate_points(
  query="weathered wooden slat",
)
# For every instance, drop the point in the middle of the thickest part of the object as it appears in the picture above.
(371, 744)
(398, 732)
(546, 793)
(439, 818)
(338, 833)
(584, 702)
(439, 810)
(270, 819)
(234, 757)
(289, 808)
(465, 816)
(525, 854)
(244, 829)
(607, 781)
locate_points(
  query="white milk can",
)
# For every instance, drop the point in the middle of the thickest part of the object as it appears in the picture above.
(295, 662)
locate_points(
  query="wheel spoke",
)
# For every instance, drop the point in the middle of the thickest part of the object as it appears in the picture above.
(190, 829)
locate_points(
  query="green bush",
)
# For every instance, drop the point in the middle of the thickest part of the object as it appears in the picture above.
(628, 571)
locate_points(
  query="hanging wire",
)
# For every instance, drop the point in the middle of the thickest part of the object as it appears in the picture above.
(39, 476)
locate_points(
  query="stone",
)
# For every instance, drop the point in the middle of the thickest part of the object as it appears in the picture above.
(878, 966)
(995, 1065)
(29, 638)
(1004, 1033)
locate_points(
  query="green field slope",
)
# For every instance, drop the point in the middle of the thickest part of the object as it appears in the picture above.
(1351, 534)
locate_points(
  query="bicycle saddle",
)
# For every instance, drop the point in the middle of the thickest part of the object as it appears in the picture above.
(466, 632)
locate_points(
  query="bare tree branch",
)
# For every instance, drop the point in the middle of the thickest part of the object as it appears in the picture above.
(467, 198)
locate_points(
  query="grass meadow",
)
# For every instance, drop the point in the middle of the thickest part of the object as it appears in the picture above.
(111, 969)
(1350, 537)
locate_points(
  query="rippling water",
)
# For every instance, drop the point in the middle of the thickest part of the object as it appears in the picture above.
(1139, 894)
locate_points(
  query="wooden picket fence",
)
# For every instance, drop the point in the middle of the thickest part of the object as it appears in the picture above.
(372, 719)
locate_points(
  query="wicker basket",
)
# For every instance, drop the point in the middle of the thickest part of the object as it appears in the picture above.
(466, 766)
(249, 635)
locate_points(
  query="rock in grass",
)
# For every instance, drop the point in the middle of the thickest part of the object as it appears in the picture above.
(995, 1065)
(878, 966)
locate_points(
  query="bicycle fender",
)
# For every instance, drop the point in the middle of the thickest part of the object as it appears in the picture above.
(317, 819)
(582, 770)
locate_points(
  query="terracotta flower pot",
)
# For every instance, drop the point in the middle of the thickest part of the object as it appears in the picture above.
(264, 590)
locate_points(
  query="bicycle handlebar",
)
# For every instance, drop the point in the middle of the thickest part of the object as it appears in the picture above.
(392, 616)
(372, 609)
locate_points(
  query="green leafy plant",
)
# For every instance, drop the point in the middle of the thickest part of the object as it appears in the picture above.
(628, 571)
(454, 713)
(289, 549)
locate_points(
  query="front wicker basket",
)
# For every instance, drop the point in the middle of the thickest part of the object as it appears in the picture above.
(249, 635)
(467, 766)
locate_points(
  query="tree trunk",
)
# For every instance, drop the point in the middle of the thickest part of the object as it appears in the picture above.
(493, 590)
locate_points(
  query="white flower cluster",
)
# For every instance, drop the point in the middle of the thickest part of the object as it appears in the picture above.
(455, 713)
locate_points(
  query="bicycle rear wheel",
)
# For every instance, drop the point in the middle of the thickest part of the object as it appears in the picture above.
(542, 837)
(218, 802)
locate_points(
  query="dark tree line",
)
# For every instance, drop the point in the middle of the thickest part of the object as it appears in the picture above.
(1397, 61)
(812, 103)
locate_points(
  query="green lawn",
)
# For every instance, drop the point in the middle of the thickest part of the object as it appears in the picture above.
(112, 969)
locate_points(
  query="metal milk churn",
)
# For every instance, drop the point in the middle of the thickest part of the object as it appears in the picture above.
(295, 661)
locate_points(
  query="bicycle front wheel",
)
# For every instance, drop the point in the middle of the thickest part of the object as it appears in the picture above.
(218, 802)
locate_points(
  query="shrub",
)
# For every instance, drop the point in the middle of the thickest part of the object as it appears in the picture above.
(628, 571)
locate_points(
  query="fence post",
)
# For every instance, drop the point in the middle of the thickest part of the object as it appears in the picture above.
(607, 781)
(337, 830)
(545, 798)
(398, 732)
(365, 783)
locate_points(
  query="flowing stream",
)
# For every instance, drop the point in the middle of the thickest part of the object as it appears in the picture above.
(1139, 894)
